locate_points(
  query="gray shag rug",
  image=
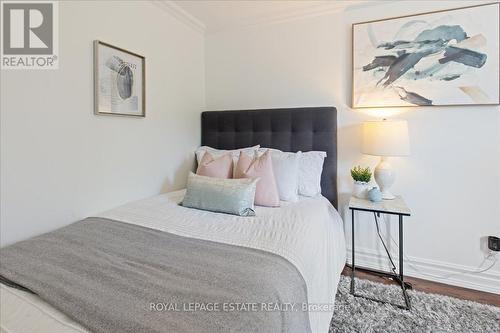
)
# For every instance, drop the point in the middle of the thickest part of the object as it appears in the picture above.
(429, 313)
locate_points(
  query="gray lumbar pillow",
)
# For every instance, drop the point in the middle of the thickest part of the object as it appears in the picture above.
(232, 196)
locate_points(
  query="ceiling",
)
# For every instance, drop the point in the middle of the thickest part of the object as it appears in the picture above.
(218, 15)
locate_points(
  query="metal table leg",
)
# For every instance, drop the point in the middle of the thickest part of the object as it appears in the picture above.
(397, 277)
(401, 275)
(352, 249)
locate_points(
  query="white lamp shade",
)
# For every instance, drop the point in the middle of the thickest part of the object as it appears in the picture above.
(386, 138)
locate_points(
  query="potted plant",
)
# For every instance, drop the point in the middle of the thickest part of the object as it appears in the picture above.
(361, 178)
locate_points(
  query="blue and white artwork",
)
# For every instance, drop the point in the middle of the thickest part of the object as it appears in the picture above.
(119, 81)
(442, 58)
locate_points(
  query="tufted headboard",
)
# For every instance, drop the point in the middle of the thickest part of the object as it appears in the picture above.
(291, 129)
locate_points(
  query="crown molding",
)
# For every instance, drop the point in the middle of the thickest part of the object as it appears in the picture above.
(319, 10)
(180, 14)
(322, 9)
(305, 13)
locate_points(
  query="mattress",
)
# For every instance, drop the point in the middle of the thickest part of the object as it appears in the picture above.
(307, 233)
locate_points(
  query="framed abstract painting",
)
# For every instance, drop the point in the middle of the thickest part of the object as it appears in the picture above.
(119, 81)
(448, 57)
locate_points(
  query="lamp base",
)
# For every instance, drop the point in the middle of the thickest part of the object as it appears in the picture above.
(387, 195)
(385, 177)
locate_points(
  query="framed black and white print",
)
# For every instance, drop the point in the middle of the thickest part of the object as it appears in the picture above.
(448, 57)
(119, 81)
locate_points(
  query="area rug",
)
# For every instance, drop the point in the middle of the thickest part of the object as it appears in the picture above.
(429, 313)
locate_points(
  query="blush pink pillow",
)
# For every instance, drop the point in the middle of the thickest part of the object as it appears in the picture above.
(221, 167)
(266, 193)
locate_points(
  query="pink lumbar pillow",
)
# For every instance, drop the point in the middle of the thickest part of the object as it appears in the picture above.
(261, 167)
(221, 167)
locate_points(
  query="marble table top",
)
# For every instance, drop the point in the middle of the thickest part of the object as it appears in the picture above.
(395, 206)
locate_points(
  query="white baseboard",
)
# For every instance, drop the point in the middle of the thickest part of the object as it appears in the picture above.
(488, 281)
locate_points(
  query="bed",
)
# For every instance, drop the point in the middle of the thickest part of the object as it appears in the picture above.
(293, 252)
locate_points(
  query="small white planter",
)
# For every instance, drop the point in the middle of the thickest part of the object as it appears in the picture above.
(361, 190)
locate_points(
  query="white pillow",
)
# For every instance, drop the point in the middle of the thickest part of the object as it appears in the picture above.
(310, 169)
(286, 173)
(235, 153)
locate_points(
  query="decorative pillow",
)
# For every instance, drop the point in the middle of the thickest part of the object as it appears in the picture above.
(286, 173)
(218, 152)
(232, 196)
(310, 169)
(261, 167)
(221, 167)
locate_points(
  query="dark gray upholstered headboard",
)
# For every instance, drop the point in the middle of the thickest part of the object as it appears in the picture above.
(292, 129)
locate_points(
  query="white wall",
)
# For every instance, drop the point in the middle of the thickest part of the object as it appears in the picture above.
(60, 162)
(451, 180)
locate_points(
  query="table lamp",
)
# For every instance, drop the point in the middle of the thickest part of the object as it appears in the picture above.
(385, 138)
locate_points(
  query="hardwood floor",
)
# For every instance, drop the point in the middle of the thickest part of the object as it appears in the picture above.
(432, 287)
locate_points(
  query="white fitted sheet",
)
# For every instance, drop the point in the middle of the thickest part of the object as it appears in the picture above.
(308, 233)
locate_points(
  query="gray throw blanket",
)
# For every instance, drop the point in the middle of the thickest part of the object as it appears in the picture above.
(111, 276)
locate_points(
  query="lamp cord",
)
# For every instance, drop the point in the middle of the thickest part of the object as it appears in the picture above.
(446, 276)
(393, 268)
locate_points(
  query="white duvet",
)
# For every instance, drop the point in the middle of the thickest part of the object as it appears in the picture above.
(308, 233)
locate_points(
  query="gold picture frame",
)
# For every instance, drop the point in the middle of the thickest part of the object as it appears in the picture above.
(364, 93)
